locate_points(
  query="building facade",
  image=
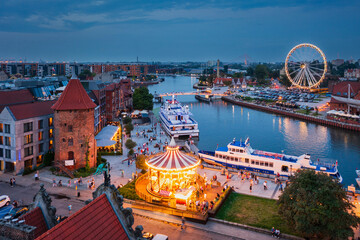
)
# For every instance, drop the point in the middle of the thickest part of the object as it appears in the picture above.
(26, 134)
(74, 127)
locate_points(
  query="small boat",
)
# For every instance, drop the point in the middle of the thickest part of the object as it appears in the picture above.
(240, 155)
(203, 98)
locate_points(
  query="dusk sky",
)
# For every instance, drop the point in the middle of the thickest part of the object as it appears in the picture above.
(116, 30)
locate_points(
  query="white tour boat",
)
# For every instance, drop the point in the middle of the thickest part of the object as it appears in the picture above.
(240, 155)
(177, 121)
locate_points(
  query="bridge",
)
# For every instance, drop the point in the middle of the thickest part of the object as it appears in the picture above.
(188, 93)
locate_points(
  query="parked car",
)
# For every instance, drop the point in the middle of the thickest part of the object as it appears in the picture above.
(160, 237)
(4, 200)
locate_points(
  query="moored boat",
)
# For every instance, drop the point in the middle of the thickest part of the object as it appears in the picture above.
(240, 155)
(177, 120)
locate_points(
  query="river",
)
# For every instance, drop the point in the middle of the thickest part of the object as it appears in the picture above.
(220, 122)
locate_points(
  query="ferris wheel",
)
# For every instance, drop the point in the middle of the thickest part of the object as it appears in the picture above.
(305, 66)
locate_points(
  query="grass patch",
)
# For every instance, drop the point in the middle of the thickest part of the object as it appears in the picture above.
(253, 211)
(303, 111)
(128, 191)
(81, 172)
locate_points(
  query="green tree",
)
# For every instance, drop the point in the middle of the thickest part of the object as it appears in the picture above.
(238, 75)
(142, 99)
(285, 81)
(130, 144)
(128, 128)
(140, 162)
(49, 158)
(317, 207)
(261, 72)
(250, 71)
(127, 120)
(307, 110)
(85, 74)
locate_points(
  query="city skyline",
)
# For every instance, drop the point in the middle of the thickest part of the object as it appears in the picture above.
(161, 31)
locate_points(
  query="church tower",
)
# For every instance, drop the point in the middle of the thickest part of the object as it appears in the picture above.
(74, 127)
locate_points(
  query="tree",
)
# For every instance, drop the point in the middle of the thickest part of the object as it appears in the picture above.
(250, 71)
(130, 144)
(142, 99)
(129, 127)
(261, 72)
(127, 120)
(85, 74)
(317, 207)
(238, 75)
(49, 158)
(140, 162)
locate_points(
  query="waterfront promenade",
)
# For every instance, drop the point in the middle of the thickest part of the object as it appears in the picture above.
(318, 120)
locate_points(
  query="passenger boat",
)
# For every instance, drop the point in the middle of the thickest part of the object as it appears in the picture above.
(240, 155)
(177, 120)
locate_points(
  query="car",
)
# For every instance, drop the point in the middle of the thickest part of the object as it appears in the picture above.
(17, 212)
(4, 200)
(148, 235)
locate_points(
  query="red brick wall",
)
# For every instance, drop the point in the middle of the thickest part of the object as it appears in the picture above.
(82, 122)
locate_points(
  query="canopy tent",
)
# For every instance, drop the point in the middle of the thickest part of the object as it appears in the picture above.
(105, 138)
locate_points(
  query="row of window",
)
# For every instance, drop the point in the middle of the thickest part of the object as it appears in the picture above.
(245, 160)
(27, 126)
(236, 150)
(28, 151)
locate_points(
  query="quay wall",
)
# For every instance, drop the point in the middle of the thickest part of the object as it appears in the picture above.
(308, 118)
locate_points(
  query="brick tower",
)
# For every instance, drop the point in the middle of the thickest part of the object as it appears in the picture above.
(74, 127)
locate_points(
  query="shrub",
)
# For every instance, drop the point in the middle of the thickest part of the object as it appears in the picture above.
(128, 191)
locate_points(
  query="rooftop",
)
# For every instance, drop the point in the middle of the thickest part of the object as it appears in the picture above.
(35, 218)
(104, 137)
(30, 110)
(97, 220)
(74, 97)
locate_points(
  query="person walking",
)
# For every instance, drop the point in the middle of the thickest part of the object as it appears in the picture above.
(182, 222)
(281, 187)
(54, 182)
(265, 185)
(14, 182)
(251, 185)
(11, 182)
(37, 175)
(69, 208)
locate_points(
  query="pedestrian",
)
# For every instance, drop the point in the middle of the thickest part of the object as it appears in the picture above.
(265, 185)
(69, 208)
(37, 175)
(273, 232)
(14, 182)
(69, 183)
(281, 187)
(182, 222)
(251, 184)
(11, 182)
(54, 182)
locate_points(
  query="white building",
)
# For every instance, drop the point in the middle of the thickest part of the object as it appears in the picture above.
(26, 134)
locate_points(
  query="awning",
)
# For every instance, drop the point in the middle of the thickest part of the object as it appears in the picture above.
(104, 137)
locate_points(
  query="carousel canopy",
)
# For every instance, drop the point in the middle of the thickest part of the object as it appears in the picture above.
(172, 159)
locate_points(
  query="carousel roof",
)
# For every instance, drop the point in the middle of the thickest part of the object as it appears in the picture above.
(173, 159)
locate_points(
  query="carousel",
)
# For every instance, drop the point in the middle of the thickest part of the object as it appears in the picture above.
(173, 174)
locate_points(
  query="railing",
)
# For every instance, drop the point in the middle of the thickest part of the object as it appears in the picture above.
(64, 169)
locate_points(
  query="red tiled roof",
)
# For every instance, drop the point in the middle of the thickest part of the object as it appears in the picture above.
(30, 110)
(97, 220)
(218, 80)
(15, 97)
(35, 218)
(74, 97)
(342, 88)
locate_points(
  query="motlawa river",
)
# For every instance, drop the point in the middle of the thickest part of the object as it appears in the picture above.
(220, 122)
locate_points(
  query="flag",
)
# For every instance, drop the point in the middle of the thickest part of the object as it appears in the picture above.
(336, 163)
(247, 141)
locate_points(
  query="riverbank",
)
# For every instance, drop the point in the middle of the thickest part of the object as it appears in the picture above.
(300, 116)
(196, 86)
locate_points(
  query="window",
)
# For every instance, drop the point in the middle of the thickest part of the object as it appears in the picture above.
(28, 127)
(70, 155)
(70, 128)
(70, 141)
(284, 168)
(28, 151)
(50, 144)
(41, 147)
(39, 160)
(1, 152)
(8, 141)
(252, 162)
(7, 153)
(257, 163)
(41, 136)
(50, 133)
(28, 163)
(64, 140)
(1, 127)
(1, 140)
(261, 163)
(246, 160)
(266, 164)
(241, 151)
(7, 128)
(50, 121)
(28, 139)
(40, 124)
(271, 164)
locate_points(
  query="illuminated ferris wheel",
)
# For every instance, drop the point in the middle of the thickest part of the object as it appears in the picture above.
(305, 66)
